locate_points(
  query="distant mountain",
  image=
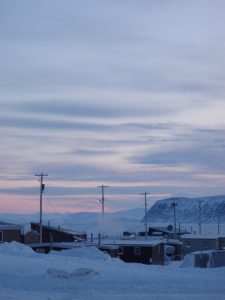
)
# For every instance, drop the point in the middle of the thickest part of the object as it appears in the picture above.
(187, 210)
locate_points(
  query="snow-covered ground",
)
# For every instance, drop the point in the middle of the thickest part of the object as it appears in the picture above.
(89, 274)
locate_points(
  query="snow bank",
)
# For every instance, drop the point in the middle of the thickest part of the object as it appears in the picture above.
(77, 273)
(15, 248)
(90, 252)
(188, 261)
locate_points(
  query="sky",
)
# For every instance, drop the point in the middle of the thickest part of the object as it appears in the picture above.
(129, 94)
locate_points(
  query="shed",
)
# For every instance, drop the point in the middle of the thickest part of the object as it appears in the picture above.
(10, 232)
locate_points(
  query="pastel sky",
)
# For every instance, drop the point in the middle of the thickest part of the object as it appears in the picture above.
(128, 93)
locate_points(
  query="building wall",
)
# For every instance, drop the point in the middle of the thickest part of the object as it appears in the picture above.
(148, 254)
(221, 242)
(11, 235)
(191, 245)
(158, 255)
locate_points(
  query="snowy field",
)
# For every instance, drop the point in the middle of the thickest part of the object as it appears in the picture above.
(87, 273)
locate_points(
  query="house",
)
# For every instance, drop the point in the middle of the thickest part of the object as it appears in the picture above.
(52, 234)
(10, 232)
(200, 242)
(137, 251)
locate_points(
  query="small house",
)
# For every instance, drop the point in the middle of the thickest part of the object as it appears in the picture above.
(10, 232)
(139, 251)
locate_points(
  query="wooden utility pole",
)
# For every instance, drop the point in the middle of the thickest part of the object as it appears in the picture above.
(103, 198)
(200, 217)
(42, 187)
(146, 221)
(174, 204)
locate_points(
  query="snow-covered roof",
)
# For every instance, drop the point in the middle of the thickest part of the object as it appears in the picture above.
(201, 236)
(9, 226)
(62, 245)
(144, 243)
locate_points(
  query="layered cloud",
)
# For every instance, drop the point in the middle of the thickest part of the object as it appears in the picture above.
(122, 93)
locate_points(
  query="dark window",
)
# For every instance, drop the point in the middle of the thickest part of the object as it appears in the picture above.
(120, 251)
(1, 236)
(137, 251)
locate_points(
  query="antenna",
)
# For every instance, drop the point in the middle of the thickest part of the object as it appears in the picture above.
(103, 198)
(146, 221)
(42, 187)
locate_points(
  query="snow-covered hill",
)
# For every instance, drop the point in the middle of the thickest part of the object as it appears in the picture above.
(91, 222)
(187, 210)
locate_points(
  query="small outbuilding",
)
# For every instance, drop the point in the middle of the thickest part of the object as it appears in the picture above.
(10, 232)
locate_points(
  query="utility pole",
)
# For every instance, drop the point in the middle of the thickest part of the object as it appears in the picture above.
(174, 204)
(42, 187)
(200, 217)
(218, 223)
(146, 222)
(103, 198)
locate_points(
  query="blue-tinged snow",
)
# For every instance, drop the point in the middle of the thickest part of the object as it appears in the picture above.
(72, 275)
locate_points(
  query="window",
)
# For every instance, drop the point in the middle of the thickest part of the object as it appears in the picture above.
(120, 251)
(137, 250)
(1, 236)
